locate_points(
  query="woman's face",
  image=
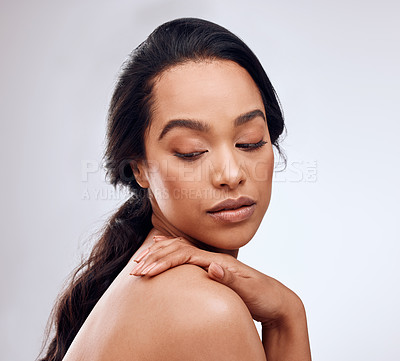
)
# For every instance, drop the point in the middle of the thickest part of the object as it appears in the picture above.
(208, 142)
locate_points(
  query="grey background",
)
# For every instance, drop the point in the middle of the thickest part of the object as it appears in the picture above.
(331, 231)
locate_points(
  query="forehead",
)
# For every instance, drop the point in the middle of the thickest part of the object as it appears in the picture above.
(210, 91)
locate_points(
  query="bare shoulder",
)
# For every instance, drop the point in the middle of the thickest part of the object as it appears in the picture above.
(180, 314)
(191, 317)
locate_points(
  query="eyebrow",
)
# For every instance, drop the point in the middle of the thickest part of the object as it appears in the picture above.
(204, 127)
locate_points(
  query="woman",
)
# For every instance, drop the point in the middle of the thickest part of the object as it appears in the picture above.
(191, 127)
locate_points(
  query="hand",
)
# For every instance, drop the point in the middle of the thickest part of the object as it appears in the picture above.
(268, 300)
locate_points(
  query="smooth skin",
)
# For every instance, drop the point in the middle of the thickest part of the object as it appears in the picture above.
(181, 309)
(280, 311)
(188, 171)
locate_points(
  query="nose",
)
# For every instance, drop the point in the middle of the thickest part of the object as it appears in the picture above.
(227, 172)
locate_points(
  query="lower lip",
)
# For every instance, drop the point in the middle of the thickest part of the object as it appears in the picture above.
(234, 215)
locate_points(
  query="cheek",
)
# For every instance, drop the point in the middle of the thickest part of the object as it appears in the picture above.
(262, 168)
(261, 174)
(173, 183)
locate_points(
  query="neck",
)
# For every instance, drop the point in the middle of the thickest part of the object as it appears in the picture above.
(165, 228)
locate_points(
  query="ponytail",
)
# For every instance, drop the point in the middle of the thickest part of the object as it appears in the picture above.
(123, 235)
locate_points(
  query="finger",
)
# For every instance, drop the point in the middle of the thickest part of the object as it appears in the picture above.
(153, 248)
(161, 238)
(154, 256)
(216, 271)
(170, 261)
(164, 243)
(176, 254)
(141, 255)
(234, 278)
(177, 258)
(224, 276)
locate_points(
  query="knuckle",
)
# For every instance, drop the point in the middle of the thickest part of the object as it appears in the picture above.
(161, 264)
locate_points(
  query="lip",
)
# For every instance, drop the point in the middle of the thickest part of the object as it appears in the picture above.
(231, 204)
(233, 210)
(233, 215)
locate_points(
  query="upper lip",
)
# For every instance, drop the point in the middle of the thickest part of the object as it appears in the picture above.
(232, 204)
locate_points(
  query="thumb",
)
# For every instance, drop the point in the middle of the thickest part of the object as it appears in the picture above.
(218, 273)
(229, 278)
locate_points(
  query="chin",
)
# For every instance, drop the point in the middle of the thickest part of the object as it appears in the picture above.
(230, 238)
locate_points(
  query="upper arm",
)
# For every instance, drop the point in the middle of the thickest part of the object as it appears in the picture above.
(201, 319)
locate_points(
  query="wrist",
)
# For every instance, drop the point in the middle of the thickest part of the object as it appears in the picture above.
(287, 338)
(291, 315)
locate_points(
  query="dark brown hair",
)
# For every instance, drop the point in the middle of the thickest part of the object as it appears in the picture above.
(129, 116)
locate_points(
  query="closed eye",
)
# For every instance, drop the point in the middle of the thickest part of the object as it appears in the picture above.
(248, 147)
(252, 146)
(189, 156)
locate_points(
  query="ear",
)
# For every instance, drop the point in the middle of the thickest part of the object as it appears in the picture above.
(139, 171)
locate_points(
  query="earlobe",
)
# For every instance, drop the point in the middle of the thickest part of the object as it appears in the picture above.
(138, 170)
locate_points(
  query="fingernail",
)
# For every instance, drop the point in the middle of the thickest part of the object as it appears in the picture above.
(148, 268)
(139, 258)
(137, 267)
(217, 270)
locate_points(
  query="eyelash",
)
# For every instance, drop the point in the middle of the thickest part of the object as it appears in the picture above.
(247, 147)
